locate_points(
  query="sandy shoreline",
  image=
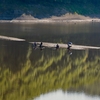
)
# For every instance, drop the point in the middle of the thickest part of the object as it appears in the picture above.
(67, 18)
(50, 21)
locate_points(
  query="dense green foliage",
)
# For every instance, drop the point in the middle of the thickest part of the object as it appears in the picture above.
(45, 8)
(95, 2)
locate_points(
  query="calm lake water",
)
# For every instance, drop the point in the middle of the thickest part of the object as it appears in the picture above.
(27, 74)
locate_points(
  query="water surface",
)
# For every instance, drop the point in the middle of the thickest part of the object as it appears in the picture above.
(26, 73)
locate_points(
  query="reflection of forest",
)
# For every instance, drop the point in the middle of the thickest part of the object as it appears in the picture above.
(25, 73)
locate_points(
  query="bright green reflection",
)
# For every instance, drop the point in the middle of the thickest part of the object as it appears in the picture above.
(25, 73)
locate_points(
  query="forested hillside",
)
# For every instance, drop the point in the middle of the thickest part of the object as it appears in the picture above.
(10, 9)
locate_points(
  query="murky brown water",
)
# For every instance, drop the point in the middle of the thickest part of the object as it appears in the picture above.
(26, 73)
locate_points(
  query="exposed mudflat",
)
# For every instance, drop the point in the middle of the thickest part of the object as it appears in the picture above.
(51, 45)
(61, 45)
(11, 38)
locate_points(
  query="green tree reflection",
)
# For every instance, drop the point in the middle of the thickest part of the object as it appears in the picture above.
(41, 72)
